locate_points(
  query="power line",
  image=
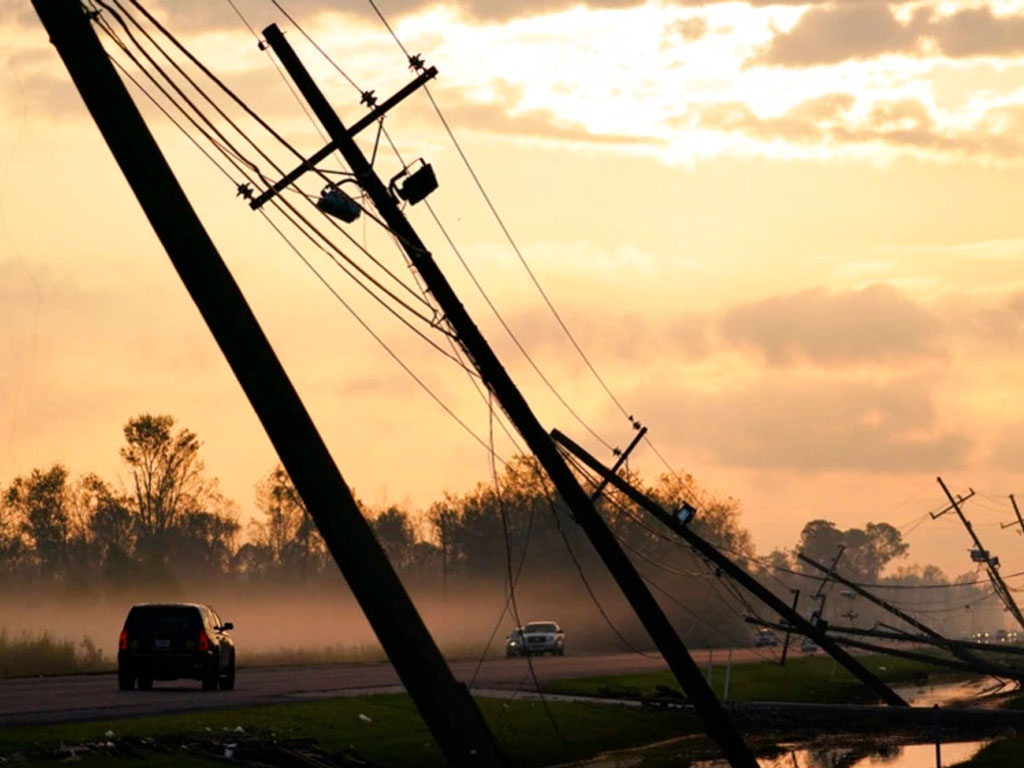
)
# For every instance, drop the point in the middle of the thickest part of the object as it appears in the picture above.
(367, 95)
(291, 245)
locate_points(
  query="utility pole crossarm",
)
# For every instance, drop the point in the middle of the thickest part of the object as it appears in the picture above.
(322, 154)
(744, 579)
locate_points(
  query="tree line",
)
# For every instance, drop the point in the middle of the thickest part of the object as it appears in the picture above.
(168, 523)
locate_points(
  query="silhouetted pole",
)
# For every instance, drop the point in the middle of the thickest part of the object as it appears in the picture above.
(789, 629)
(1016, 511)
(991, 564)
(830, 572)
(446, 706)
(492, 373)
(738, 574)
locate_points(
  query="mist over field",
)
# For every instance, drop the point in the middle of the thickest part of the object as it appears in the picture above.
(270, 620)
(76, 553)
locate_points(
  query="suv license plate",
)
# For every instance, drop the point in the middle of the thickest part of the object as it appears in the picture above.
(161, 643)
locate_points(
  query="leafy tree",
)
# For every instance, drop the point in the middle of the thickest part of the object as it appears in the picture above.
(866, 551)
(110, 526)
(717, 519)
(41, 503)
(13, 549)
(204, 541)
(395, 532)
(287, 539)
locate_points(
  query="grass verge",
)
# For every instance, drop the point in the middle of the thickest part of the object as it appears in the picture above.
(387, 730)
(808, 679)
(1006, 753)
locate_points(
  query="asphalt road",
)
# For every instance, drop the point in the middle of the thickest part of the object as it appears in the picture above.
(73, 698)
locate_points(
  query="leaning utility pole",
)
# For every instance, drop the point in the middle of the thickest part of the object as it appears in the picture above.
(744, 579)
(445, 704)
(1016, 511)
(717, 722)
(832, 573)
(981, 555)
(789, 629)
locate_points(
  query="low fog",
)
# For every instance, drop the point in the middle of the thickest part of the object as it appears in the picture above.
(292, 618)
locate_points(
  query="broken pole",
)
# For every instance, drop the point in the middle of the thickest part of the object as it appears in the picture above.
(744, 579)
(445, 704)
(831, 573)
(789, 629)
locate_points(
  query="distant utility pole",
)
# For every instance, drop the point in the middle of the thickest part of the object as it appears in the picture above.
(819, 594)
(445, 704)
(1016, 511)
(832, 573)
(789, 629)
(716, 720)
(981, 555)
(738, 574)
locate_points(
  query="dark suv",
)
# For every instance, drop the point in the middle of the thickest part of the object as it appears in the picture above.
(170, 641)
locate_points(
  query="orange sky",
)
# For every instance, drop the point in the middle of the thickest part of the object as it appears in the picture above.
(787, 235)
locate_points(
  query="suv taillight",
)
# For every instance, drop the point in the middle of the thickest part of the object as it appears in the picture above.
(204, 641)
(122, 642)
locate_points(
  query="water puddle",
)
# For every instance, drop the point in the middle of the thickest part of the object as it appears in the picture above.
(863, 756)
(804, 756)
(967, 691)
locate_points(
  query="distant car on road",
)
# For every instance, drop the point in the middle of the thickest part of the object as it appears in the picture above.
(537, 637)
(808, 646)
(171, 641)
(765, 637)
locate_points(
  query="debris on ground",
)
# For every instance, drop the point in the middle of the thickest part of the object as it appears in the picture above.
(245, 750)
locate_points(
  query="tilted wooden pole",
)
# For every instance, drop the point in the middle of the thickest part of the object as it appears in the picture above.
(445, 704)
(716, 720)
(744, 579)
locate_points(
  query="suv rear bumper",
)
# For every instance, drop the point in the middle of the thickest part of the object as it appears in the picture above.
(165, 666)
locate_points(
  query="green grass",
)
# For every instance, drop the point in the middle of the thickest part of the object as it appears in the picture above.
(1007, 753)
(395, 736)
(814, 679)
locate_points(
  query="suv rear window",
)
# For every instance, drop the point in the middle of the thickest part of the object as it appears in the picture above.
(163, 621)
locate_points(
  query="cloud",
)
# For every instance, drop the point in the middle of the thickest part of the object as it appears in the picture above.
(1008, 447)
(1000, 326)
(789, 422)
(977, 32)
(807, 122)
(830, 120)
(873, 324)
(202, 15)
(690, 29)
(501, 117)
(834, 33)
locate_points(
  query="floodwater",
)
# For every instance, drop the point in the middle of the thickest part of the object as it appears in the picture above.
(948, 693)
(863, 754)
(804, 756)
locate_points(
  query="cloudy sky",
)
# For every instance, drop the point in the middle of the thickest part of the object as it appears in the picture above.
(786, 235)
